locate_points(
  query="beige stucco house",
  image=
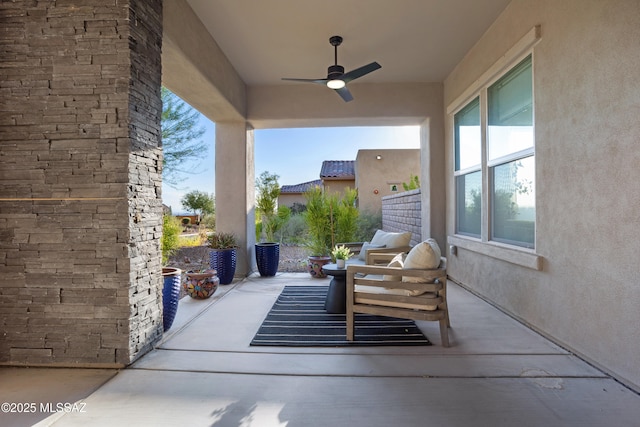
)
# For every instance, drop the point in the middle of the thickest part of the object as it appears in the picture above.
(338, 175)
(79, 134)
(374, 173)
(292, 194)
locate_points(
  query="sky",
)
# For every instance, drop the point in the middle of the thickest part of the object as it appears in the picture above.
(295, 155)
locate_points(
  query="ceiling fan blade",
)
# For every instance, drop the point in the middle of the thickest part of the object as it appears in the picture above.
(316, 81)
(359, 72)
(344, 94)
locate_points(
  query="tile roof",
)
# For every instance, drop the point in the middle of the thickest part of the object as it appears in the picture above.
(299, 188)
(344, 169)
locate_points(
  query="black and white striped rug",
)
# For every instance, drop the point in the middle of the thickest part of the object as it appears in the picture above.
(298, 319)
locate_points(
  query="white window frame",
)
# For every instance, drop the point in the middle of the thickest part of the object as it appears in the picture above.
(469, 170)
(515, 254)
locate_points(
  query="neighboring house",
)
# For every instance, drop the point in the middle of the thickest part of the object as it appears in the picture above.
(292, 194)
(374, 173)
(337, 175)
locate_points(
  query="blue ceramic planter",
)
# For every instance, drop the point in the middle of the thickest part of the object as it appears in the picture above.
(267, 258)
(172, 278)
(224, 262)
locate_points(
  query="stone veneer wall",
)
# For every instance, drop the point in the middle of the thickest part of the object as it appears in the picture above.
(80, 167)
(402, 212)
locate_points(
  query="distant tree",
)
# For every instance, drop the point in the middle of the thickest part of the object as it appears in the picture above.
(266, 202)
(180, 137)
(199, 202)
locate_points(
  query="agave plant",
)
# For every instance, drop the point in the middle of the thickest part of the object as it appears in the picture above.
(221, 240)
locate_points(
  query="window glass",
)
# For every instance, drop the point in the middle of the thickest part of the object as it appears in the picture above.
(510, 112)
(467, 136)
(513, 202)
(469, 206)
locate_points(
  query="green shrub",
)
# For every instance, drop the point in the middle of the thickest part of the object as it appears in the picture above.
(367, 224)
(185, 221)
(170, 242)
(293, 231)
(330, 219)
(209, 221)
(414, 183)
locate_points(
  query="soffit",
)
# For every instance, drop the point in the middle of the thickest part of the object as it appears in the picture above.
(413, 40)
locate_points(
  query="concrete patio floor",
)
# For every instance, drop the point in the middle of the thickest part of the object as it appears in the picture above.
(497, 372)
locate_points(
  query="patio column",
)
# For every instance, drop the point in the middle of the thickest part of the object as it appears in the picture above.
(432, 181)
(80, 208)
(235, 188)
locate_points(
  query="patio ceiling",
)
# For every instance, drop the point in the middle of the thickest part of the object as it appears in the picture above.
(227, 58)
(413, 40)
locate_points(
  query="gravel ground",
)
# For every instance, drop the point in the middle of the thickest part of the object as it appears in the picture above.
(292, 258)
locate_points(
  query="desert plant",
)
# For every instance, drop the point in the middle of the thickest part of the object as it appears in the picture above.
(170, 241)
(345, 216)
(293, 230)
(414, 183)
(220, 240)
(367, 224)
(274, 223)
(318, 221)
(266, 202)
(330, 219)
(208, 221)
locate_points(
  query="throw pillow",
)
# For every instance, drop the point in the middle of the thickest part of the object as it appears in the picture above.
(425, 255)
(365, 247)
(391, 240)
(397, 261)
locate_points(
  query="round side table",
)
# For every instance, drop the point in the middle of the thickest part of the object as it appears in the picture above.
(336, 302)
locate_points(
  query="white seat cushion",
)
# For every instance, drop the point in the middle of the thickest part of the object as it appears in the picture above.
(422, 301)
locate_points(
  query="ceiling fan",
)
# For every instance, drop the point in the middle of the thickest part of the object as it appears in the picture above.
(337, 79)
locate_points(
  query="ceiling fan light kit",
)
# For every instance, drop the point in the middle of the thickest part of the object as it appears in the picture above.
(337, 79)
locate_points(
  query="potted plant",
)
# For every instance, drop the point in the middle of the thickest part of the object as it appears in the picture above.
(201, 284)
(271, 220)
(171, 277)
(341, 254)
(223, 255)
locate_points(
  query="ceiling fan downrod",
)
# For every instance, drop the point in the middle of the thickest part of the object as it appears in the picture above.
(335, 71)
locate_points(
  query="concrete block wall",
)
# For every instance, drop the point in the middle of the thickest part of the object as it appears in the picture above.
(402, 212)
(80, 166)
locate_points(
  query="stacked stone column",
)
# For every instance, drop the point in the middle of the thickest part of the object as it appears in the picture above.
(80, 168)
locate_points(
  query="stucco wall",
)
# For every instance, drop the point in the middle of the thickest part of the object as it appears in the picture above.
(374, 176)
(585, 71)
(289, 199)
(337, 185)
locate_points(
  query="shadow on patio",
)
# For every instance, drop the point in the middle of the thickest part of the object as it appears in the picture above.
(204, 373)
